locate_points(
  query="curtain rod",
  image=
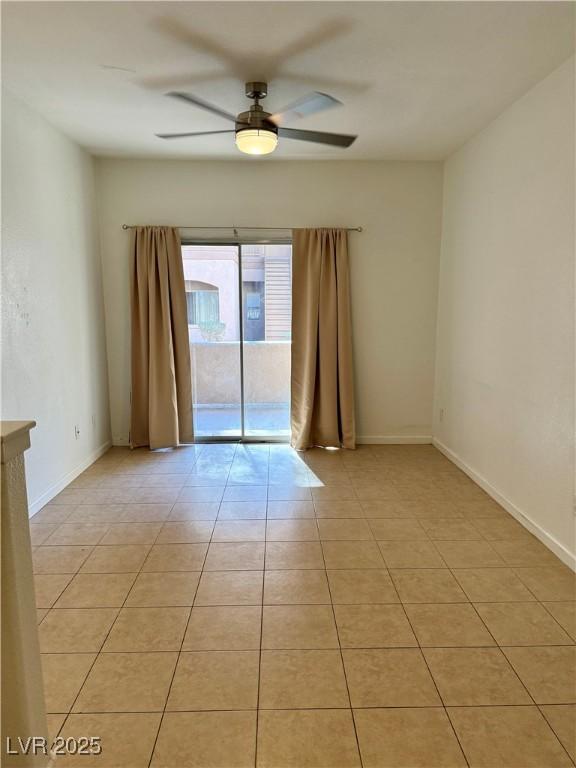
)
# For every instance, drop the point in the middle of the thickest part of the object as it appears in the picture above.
(266, 229)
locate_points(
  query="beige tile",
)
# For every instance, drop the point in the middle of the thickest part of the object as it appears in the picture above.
(397, 530)
(385, 509)
(334, 493)
(126, 558)
(373, 626)
(361, 586)
(278, 510)
(40, 532)
(164, 589)
(352, 554)
(434, 585)
(492, 585)
(59, 559)
(314, 738)
(302, 680)
(97, 513)
(48, 588)
(145, 680)
(338, 509)
(145, 513)
(298, 627)
(475, 677)
(194, 510)
(525, 552)
(206, 740)
(101, 590)
(278, 492)
(215, 680)
(63, 675)
(230, 556)
(41, 613)
(296, 587)
(230, 588)
(147, 629)
(468, 554)
(53, 514)
(521, 624)
(239, 530)
(196, 493)
(507, 737)
(450, 530)
(410, 554)
(294, 555)
(189, 532)
(505, 529)
(407, 738)
(175, 557)
(549, 583)
(291, 530)
(548, 673)
(72, 534)
(126, 739)
(396, 677)
(75, 631)
(565, 615)
(242, 510)
(223, 628)
(425, 509)
(448, 624)
(132, 533)
(344, 529)
(562, 719)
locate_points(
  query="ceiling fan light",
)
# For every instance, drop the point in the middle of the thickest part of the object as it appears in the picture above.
(256, 141)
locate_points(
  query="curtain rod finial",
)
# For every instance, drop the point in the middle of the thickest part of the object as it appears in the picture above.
(125, 226)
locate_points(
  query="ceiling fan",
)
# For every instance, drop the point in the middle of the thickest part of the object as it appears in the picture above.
(257, 131)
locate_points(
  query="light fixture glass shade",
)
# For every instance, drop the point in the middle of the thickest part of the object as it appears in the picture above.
(256, 141)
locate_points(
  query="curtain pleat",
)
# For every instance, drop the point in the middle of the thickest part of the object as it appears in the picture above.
(322, 388)
(161, 408)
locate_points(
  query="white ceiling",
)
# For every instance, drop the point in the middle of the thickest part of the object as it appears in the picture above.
(416, 78)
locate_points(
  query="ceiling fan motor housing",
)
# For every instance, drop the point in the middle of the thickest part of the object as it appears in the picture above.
(256, 118)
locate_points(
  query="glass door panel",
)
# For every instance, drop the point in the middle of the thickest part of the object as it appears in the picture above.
(211, 275)
(266, 272)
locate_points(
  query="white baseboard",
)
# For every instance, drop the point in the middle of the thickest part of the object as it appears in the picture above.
(394, 439)
(55, 489)
(546, 538)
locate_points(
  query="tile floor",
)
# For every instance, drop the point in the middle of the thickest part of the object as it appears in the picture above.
(224, 606)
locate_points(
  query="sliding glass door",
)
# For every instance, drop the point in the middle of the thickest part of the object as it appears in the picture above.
(239, 317)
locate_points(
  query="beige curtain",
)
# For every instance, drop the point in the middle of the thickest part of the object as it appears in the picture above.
(322, 410)
(161, 379)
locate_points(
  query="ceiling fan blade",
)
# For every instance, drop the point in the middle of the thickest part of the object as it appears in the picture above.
(318, 137)
(307, 105)
(196, 102)
(185, 135)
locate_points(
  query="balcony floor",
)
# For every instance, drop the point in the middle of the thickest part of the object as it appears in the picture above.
(260, 421)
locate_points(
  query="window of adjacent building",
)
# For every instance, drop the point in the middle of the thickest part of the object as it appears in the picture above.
(203, 307)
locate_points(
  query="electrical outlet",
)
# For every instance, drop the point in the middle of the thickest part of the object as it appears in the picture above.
(93, 423)
(441, 415)
(77, 432)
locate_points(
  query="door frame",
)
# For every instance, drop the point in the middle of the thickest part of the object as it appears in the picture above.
(238, 242)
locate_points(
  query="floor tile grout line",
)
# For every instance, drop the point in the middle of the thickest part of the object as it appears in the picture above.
(342, 659)
(179, 654)
(433, 679)
(261, 626)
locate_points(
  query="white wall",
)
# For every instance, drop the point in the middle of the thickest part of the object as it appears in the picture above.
(394, 261)
(505, 365)
(53, 342)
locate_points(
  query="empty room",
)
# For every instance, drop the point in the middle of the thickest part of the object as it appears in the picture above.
(288, 385)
